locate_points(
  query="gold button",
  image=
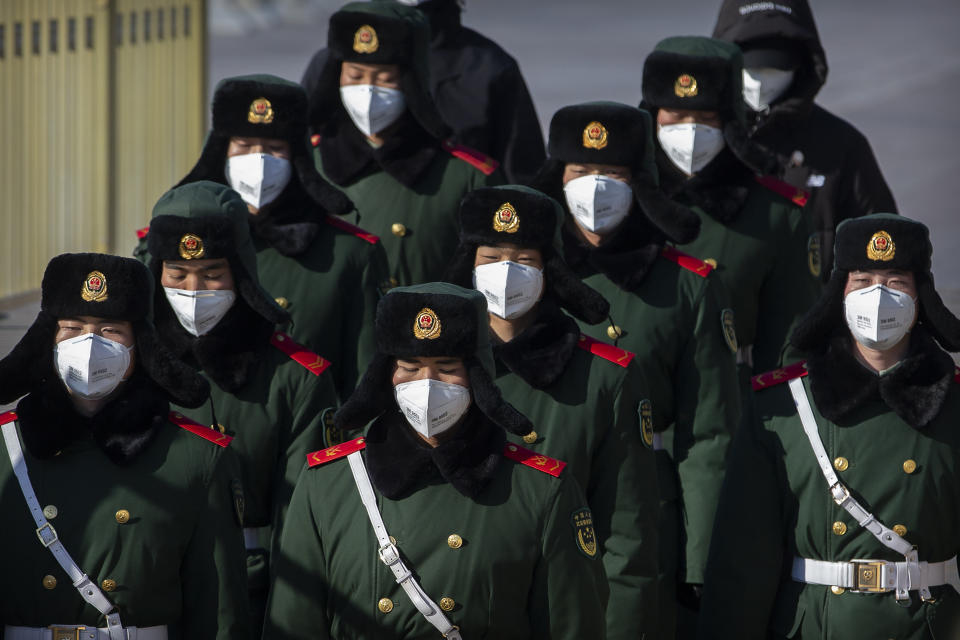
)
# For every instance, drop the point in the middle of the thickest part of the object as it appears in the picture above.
(393, 541)
(530, 438)
(122, 516)
(447, 604)
(108, 584)
(841, 463)
(49, 512)
(512, 447)
(398, 229)
(454, 541)
(614, 332)
(909, 466)
(837, 590)
(49, 582)
(839, 528)
(385, 605)
(711, 262)
(282, 302)
(900, 530)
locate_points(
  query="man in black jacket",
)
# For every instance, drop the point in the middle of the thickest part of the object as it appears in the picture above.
(784, 68)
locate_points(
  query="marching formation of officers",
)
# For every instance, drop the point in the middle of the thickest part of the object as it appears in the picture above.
(384, 369)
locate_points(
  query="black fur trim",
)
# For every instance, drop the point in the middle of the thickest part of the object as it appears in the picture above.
(372, 396)
(539, 355)
(713, 76)
(677, 222)
(910, 248)
(534, 222)
(233, 108)
(68, 277)
(487, 398)
(935, 316)
(181, 383)
(30, 361)
(395, 37)
(760, 159)
(721, 188)
(462, 322)
(572, 293)
(625, 132)
(167, 231)
(824, 318)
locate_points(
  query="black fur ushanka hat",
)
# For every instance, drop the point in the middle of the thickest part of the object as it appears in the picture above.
(530, 219)
(430, 320)
(879, 241)
(102, 286)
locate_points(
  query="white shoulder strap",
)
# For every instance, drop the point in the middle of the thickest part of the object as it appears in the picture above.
(390, 556)
(48, 537)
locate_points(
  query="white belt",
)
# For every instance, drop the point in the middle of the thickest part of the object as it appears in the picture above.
(658, 441)
(745, 355)
(252, 537)
(80, 632)
(877, 576)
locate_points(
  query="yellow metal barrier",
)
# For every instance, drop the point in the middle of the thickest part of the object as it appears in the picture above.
(102, 106)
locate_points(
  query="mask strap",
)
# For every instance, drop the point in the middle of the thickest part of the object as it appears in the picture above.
(613, 324)
(213, 415)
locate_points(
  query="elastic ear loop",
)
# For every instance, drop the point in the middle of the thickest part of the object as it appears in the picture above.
(616, 330)
(216, 426)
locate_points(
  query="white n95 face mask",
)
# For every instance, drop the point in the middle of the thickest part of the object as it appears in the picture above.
(90, 365)
(599, 203)
(200, 311)
(511, 289)
(763, 85)
(258, 177)
(879, 317)
(690, 146)
(372, 108)
(432, 406)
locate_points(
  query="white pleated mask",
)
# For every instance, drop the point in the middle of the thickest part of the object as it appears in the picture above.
(690, 146)
(431, 406)
(258, 177)
(372, 108)
(200, 311)
(90, 365)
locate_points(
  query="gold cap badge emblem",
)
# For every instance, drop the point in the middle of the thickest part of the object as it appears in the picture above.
(261, 112)
(365, 40)
(94, 287)
(427, 325)
(685, 86)
(595, 136)
(506, 219)
(191, 247)
(881, 247)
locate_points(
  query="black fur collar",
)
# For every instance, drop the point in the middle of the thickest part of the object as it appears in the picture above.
(290, 223)
(915, 390)
(347, 155)
(720, 189)
(625, 259)
(399, 463)
(122, 429)
(541, 352)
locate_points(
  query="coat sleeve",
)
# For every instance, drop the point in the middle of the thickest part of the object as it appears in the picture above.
(569, 590)
(625, 501)
(519, 140)
(707, 411)
(867, 192)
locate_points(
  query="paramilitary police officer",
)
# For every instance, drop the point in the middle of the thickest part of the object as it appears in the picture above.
(435, 524)
(380, 138)
(470, 77)
(665, 306)
(585, 397)
(755, 237)
(138, 535)
(323, 271)
(265, 388)
(839, 515)
(784, 68)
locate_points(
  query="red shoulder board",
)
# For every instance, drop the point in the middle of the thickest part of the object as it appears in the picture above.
(343, 225)
(550, 466)
(315, 140)
(479, 160)
(956, 378)
(9, 416)
(616, 355)
(142, 233)
(198, 429)
(688, 262)
(795, 194)
(775, 377)
(312, 362)
(335, 452)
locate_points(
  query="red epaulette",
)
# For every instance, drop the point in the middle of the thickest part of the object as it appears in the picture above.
(315, 140)
(775, 377)
(795, 194)
(616, 355)
(343, 225)
(479, 160)
(550, 466)
(335, 452)
(142, 233)
(956, 374)
(688, 262)
(9, 416)
(311, 362)
(197, 429)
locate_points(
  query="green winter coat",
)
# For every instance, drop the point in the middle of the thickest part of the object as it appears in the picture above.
(585, 402)
(776, 505)
(174, 558)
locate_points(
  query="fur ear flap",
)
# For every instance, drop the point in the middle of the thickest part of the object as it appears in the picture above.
(372, 396)
(460, 270)
(818, 324)
(212, 164)
(757, 157)
(331, 199)
(257, 299)
(938, 320)
(572, 294)
(30, 361)
(487, 397)
(676, 221)
(183, 385)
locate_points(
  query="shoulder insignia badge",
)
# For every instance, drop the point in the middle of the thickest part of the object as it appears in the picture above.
(9, 416)
(646, 422)
(813, 254)
(729, 329)
(700, 267)
(796, 195)
(315, 140)
(197, 429)
(550, 466)
(335, 452)
(343, 225)
(616, 355)
(775, 377)
(142, 233)
(582, 522)
(308, 359)
(478, 160)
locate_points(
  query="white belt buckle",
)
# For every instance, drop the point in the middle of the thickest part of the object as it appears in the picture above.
(389, 554)
(50, 531)
(868, 576)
